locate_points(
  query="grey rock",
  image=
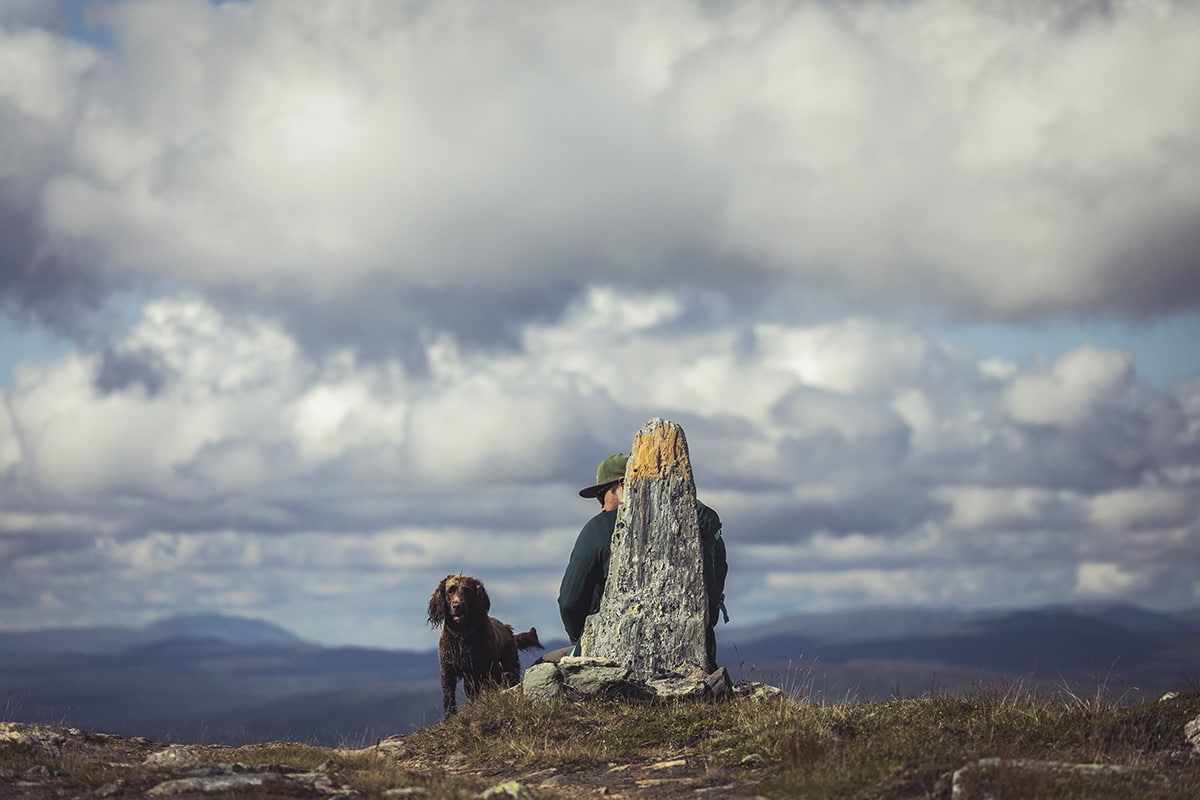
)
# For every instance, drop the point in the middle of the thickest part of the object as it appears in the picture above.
(720, 685)
(214, 783)
(542, 682)
(757, 689)
(1192, 732)
(541, 775)
(576, 663)
(409, 791)
(231, 779)
(599, 681)
(320, 781)
(653, 616)
(678, 686)
(34, 737)
(393, 744)
(512, 789)
(170, 757)
(208, 770)
(40, 772)
(585, 678)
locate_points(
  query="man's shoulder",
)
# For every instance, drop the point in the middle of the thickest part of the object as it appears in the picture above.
(602, 523)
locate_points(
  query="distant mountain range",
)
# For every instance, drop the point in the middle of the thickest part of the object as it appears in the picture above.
(220, 627)
(1122, 652)
(218, 679)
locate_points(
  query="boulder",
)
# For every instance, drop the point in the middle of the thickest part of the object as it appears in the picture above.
(595, 678)
(542, 681)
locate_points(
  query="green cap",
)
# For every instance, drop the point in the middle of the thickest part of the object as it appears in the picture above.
(611, 470)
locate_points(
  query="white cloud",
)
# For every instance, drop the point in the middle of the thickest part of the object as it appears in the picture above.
(1145, 508)
(224, 465)
(41, 82)
(1106, 581)
(930, 154)
(975, 508)
(412, 270)
(334, 417)
(222, 388)
(1066, 393)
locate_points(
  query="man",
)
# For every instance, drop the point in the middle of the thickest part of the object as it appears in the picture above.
(583, 582)
(587, 570)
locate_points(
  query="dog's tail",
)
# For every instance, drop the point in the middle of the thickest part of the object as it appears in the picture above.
(528, 640)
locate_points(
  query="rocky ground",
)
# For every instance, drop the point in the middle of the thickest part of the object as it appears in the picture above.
(687, 774)
(49, 762)
(56, 762)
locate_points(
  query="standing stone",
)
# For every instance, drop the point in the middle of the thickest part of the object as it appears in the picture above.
(652, 618)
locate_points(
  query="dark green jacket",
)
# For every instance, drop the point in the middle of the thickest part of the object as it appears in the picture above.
(583, 582)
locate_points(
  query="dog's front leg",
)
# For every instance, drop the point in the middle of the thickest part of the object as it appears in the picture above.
(449, 691)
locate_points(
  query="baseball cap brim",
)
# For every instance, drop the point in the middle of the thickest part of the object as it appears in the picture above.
(611, 470)
(597, 490)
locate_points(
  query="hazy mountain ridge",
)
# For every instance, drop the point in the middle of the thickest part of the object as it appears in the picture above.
(232, 680)
(115, 639)
(1125, 651)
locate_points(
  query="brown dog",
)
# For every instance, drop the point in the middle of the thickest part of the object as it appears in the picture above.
(480, 649)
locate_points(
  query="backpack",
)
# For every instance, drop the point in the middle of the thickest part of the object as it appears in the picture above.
(712, 547)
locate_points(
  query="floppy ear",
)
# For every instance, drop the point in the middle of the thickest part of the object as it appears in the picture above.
(485, 602)
(437, 604)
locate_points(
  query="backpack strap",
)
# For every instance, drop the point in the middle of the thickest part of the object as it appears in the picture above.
(721, 603)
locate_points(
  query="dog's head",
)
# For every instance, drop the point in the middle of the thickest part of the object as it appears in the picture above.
(459, 601)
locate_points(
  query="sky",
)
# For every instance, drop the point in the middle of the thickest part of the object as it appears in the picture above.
(304, 306)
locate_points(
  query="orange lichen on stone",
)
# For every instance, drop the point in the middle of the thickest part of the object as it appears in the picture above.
(659, 449)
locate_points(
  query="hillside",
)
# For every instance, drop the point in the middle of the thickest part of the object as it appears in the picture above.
(220, 680)
(1000, 746)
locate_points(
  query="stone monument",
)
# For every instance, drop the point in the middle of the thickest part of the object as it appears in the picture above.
(653, 616)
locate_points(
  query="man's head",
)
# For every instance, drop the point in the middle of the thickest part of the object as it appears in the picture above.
(609, 476)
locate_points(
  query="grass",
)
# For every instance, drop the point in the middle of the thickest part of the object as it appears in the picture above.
(905, 748)
(902, 748)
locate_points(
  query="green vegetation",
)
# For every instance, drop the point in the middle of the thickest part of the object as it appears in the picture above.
(776, 747)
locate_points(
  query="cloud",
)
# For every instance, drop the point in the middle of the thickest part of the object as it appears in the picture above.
(371, 173)
(257, 477)
(29, 13)
(360, 293)
(1104, 581)
(1065, 393)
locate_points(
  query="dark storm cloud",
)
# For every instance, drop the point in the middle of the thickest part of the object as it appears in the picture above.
(40, 285)
(1170, 251)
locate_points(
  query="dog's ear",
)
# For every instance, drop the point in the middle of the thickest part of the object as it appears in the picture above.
(437, 604)
(485, 602)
